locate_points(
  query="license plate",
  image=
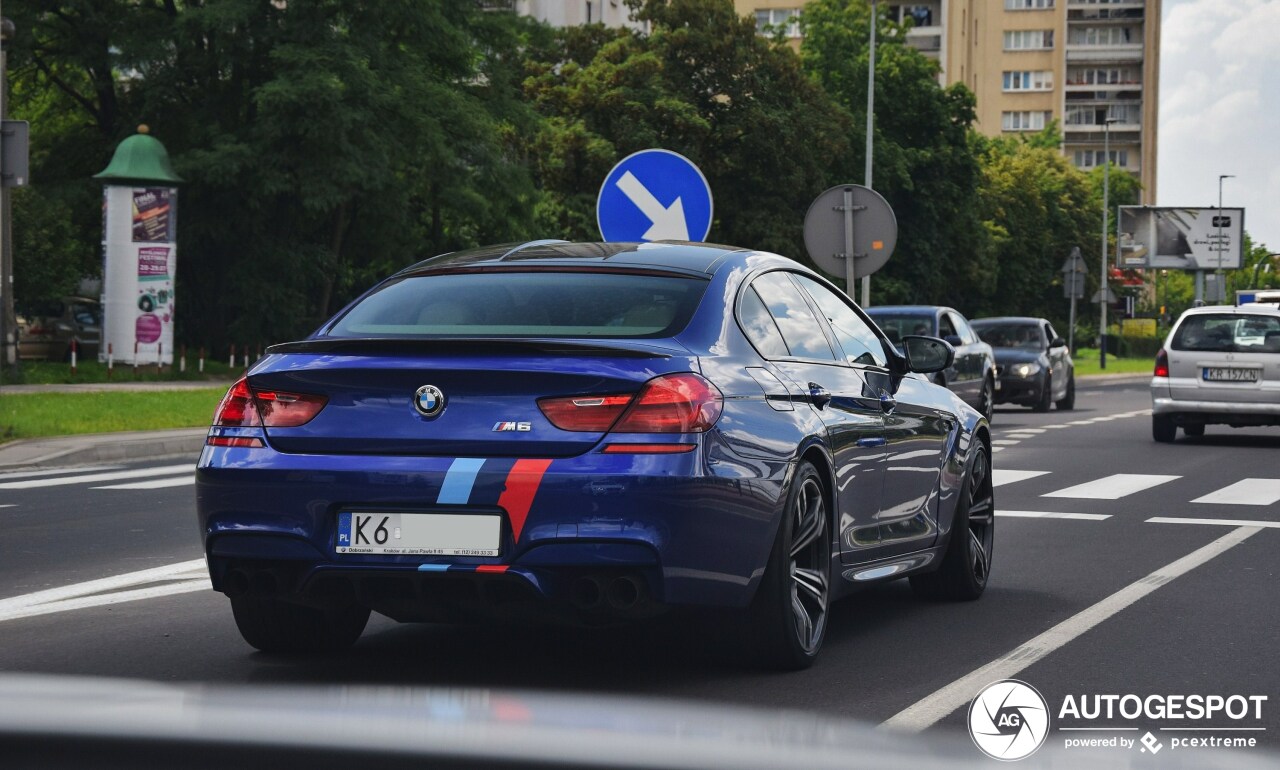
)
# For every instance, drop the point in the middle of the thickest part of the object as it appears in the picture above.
(428, 534)
(1230, 374)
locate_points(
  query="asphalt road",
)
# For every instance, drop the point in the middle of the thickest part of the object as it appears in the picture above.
(1103, 601)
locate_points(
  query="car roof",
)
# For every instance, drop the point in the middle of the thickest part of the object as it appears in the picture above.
(1007, 319)
(661, 255)
(1249, 309)
(907, 309)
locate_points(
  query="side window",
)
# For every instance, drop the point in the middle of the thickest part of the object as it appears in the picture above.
(962, 329)
(759, 326)
(795, 320)
(945, 327)
(860, 343)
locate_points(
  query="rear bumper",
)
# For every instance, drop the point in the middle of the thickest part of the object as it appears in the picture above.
(696, 528)
(1237, 412)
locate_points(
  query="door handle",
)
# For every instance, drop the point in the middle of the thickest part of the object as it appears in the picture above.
(887, 402)
(867, 443)
(819, 395)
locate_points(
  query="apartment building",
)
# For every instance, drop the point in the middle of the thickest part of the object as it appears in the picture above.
(1081, 62)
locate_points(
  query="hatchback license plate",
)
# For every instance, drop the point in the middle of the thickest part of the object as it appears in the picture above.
(1230, 374)
(429, 534)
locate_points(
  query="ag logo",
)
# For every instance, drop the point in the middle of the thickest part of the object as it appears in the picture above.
(1008, 720)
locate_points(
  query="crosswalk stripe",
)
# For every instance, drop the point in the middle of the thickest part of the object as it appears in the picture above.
(1245, 492)
(1113, 487)
(1003, 442)
(136, 473)
(56, 472)
(180, 481)
(1001, 476)
(1214, 522)
(1054, 515)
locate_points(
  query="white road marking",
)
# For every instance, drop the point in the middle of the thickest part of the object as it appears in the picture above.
(1219, 522)
(136, 473)
(1029, 430)
(1019, 435)
(56, 472)
(1113, 487)
(180, 481)
(1245, 492)
(997, 449)
(9, 505)
(1001, 476)
(1004, 442)
(1056, 427)
(1054, 515)
(939, 704)
(186, 570)
(99, 600)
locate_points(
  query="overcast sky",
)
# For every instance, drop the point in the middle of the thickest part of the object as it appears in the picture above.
(1220, 109)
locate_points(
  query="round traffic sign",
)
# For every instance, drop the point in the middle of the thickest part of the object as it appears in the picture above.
(654, 195)
(850, 213)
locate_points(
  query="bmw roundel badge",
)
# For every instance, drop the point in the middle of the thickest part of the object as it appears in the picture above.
(428, 400)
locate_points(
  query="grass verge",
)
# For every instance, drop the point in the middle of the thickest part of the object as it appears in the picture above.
(31, 415)
(1086, 361)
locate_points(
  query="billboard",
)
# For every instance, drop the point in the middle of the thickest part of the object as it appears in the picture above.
(1180, 238)
(139, 262)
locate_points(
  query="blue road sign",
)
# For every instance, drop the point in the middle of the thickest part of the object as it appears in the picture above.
(654, 195)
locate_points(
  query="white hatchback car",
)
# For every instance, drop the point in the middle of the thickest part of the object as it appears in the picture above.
(1219, 365)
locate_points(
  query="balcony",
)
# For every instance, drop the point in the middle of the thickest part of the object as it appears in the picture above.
(1104, 54)
(924, 42)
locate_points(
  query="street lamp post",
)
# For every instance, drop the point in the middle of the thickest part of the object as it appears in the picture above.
(1221, 286)
(1106, 202)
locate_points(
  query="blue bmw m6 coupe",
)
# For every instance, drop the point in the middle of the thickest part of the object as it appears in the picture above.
(597, 432)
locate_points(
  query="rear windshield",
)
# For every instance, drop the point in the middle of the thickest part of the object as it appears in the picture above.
(507, 304)
(898, 325)
(1010, 335)
(1229, 333)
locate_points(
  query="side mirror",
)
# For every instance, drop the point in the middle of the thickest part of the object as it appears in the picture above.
(1058, 342)
(953, 340)
(927, 354)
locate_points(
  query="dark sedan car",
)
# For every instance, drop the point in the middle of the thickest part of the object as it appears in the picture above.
(1032, 362)
(973, 374)
(593, 432)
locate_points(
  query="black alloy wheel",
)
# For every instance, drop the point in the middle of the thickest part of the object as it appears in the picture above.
(987, 402)
(966, 564)
(789, 615)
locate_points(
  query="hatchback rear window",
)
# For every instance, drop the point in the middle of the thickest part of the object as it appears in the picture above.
(1229, 333)
(514, 304)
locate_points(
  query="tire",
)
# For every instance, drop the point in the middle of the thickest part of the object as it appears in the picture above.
(1194, 429)
(788, 618)
(272, 625)
(1163, 428)
(987, 401)
(1046, 397)
(1068, 401)
(966, 564)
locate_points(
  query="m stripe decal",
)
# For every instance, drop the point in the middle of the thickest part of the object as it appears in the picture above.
(456, 489)
(522, 485)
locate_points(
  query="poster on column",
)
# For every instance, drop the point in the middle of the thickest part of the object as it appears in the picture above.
(153, 215)
(154, 322)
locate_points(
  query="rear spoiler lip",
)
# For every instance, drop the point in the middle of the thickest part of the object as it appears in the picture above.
(376, 346)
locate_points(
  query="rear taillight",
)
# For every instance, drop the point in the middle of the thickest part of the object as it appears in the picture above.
(287, 410)
(584, 414)
(1162, 363)
(236, 409)
(674, 403)
(246, 408)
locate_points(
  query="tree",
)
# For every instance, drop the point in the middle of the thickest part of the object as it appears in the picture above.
(703, 84)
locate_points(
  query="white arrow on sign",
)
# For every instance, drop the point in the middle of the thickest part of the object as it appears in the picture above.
(668, 221)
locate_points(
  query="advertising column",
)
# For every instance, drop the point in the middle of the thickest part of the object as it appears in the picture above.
(140, 212)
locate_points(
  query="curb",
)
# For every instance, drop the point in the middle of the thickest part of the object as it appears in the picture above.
(1114, 378)
(104, 447)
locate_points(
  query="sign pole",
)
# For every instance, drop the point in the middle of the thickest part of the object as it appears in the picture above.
(871, 112)
(850, 269)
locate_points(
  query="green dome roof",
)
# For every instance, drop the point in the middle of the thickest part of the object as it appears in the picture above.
(140, 158)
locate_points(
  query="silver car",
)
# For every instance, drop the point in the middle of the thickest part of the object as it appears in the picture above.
(1219, 365)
